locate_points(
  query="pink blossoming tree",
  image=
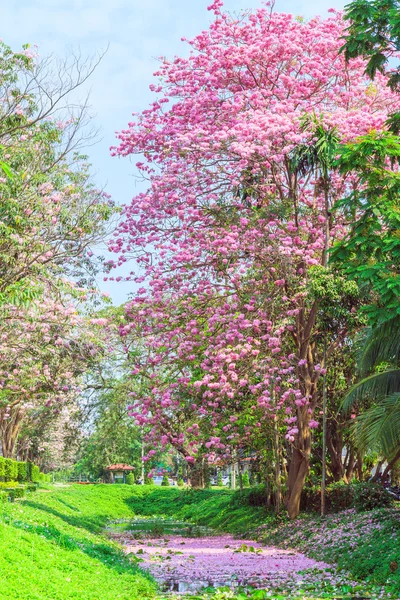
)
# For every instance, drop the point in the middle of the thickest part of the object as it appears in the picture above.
(235, 225)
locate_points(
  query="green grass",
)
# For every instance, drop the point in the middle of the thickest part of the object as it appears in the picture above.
(51, 548)
(216, 508)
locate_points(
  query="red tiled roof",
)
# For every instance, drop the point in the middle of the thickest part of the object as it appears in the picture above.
(120, 467)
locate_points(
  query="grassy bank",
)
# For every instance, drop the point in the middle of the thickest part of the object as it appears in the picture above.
(51, 548)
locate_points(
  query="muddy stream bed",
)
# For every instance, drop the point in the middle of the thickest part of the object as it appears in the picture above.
(185, 558)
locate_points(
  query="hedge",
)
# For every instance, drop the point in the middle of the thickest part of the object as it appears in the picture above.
(15, 470)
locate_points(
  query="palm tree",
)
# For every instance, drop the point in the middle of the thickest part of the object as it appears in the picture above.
(378, 427)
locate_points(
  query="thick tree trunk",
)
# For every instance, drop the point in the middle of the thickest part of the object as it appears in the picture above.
(196, 475)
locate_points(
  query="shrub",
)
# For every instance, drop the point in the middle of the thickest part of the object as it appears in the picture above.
(341, 496)
(148, 480)
(5, 485)
(31, 488)
(180, 482)
(35, 473)
(219, 479)
(2, 468)
(245, 479)
(9, 470)
(165, 480)
(3, 497)
(29, 467)
(367, 496)
(21, 471)
(18, 492)
(256, 496)
(130, 479)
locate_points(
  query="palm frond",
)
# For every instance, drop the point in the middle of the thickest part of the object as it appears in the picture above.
(379, 427)
(373, 387)
(381, 344)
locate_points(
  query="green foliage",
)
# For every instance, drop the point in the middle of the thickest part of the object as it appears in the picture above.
(373, 33)
(130, 479)
(219, 479)
(180, 482)
(364, 544)
(367, 496)
(370, 253)
(10, 470)
(2, 468)
(342, 496)
(245, 479)
(35, 474)
(165, 480)
(22, 471)
(148, 480)
(52, 537)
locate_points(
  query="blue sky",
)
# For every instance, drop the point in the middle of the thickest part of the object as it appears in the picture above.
(136, 32)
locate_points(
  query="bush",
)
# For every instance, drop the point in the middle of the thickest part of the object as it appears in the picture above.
(245, 479)
(130, 479)
(21, 471)
(2, 468)
(29, 467)
(367, 496)
(3, 497)
(256, 496)
(165, 480)
(35, 473)
(180, 482)
(10, 466)
(341, 496)
(220, 483)
(5, 485)
(148, 480)
(31, 487)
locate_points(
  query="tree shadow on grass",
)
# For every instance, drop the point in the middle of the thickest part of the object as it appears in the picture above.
(92, 524)
(108, 555)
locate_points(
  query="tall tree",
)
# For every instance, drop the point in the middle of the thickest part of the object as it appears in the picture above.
(236, 217)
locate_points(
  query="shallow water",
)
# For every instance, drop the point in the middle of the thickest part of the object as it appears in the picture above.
(159, 527)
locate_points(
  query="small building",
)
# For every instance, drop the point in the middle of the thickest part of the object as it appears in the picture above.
(118, 472)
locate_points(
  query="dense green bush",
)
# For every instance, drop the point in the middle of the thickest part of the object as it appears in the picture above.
(367, 496)
(35, 474)
(245, 479)
(180, 482)
(2, 468)
(341, 496)
(148, 480)
(3, 497)
(5, 485)
(21, 471)
(18, 492)
(255, 496)
(165, 481)
(220, 483)
(130, 479)
(10, 469)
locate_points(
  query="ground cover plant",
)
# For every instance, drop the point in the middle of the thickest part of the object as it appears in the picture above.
(51, 548)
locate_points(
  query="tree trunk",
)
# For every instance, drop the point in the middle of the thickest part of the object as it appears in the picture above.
(277, 468)
(298, 471)
(196, 475)
(390, 465)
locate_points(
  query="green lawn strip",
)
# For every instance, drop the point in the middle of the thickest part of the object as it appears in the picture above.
(52, 549)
